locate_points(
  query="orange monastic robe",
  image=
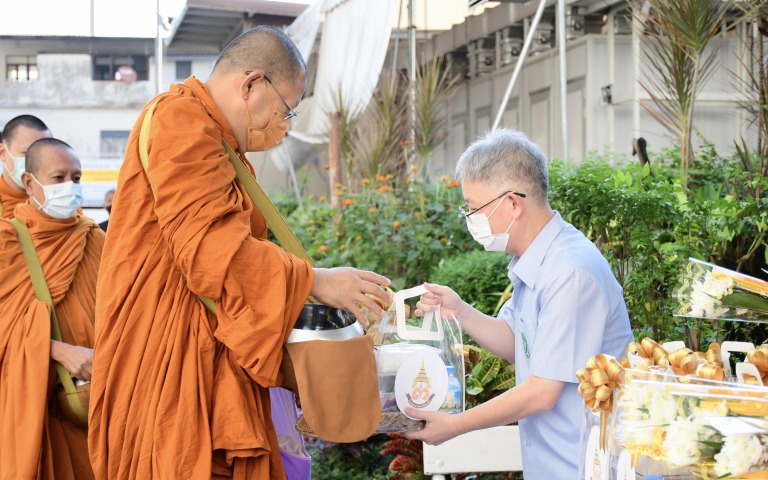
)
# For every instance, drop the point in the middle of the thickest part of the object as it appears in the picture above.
(9, 198)
(176, 392)
(34, 441)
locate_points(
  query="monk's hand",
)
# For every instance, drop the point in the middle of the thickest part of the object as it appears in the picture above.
(77, 360)
(440, 426)
(350, 289)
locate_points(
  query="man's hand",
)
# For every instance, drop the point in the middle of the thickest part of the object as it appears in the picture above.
(449, 301)
(76, 360)
(440, 426)
(348, 288)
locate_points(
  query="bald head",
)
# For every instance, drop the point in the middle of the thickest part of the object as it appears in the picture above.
(266, 48)
(27, 121)
(40, 151)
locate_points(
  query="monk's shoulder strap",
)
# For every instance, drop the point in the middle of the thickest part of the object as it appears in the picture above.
(275, 222)
(40, 286)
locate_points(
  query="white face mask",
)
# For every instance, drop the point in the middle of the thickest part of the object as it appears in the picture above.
(479, 227)
(61, 199)
(19, 165)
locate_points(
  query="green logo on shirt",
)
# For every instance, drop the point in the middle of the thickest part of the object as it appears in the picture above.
(525, 347)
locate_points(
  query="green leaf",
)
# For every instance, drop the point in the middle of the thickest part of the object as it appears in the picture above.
(487, 369)
(746, 300)
(503, 381)
(473, 386)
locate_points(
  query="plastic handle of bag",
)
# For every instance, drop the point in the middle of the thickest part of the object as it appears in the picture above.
(410, 332)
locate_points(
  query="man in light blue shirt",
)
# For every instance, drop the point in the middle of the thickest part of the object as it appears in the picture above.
(566, 306)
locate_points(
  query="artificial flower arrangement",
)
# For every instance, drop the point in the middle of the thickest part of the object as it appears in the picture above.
(711, 291)
(674, 409)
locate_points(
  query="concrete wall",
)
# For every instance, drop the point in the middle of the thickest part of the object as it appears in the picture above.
(78, 109)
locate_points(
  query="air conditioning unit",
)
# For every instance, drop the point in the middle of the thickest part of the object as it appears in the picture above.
(575, 24)
(510, 46)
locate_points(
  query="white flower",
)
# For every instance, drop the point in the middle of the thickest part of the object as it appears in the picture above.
(705, 304)
(716, 285)
(681, 442)
(739, 454)
(663, 409)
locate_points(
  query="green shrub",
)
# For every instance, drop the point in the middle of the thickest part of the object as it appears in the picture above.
(479, 277)
(403, 235)
(344, 461)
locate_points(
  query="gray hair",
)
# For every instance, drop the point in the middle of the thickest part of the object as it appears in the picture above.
(506, 158)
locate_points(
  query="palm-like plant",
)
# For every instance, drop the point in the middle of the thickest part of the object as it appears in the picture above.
(375, 142)
(434, 89)
(677, 33)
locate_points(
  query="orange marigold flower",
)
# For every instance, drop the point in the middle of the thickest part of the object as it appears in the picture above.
(452, 184)
(322, 249)
(358, 238)
(390, 176)
(323, 199)
(396, 225)
(384, 188)
(347, 202)
(405, 143)
(372, 210)
(366, 181)
(381, 178)
(446, 178)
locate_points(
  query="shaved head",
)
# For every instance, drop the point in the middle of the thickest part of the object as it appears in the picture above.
(266, 48)
(29, 121)
(37, 151)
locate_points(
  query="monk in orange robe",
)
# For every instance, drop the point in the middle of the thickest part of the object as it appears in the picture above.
(177, 392)
(18, 134)
(35, 440)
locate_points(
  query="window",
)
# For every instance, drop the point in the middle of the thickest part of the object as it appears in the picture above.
(183, 69)
(21, 68)
(113, 143)
(105, 66)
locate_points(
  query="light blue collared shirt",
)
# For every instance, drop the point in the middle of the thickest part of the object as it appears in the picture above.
(566, 306)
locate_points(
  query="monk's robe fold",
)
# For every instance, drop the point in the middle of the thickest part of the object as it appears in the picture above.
(34, 440)
(176, 392)
(9, 198)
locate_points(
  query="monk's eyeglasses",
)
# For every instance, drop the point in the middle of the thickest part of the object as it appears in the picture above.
(470, 211)
(291, 112)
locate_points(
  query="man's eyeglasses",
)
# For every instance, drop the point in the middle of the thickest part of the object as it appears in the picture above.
(470, 211)
(291, 112)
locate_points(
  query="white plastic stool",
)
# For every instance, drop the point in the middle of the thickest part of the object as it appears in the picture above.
(491, 450)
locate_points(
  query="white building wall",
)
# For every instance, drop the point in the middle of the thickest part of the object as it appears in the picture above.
(534, 105)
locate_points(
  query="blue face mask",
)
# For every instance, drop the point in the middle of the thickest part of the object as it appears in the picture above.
(19, 166)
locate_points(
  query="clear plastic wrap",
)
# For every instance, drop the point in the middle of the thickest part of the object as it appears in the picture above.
(710, 429)
(419, 366)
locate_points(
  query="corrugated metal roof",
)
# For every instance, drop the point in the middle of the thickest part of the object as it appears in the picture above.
(205, 26)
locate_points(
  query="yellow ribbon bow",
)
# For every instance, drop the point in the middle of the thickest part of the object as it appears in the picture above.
(759, 358)
(597, 382)
(650, 351)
